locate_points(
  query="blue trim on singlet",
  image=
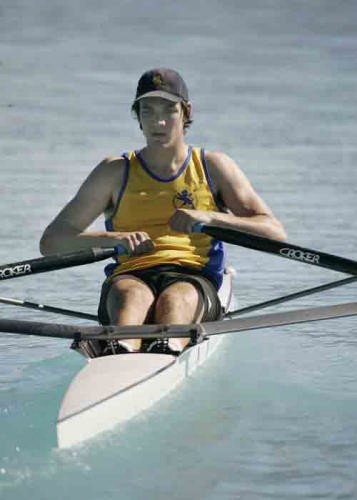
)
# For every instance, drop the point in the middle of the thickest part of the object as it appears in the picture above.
(214, 269)
(208, 177)
(156, 177)
(215, 195)
(109, 220)
(110, 268)
(217, 254)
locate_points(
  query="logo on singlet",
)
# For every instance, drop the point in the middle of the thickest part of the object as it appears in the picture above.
(183, 199)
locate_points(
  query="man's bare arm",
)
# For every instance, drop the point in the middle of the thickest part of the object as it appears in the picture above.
(67, 232)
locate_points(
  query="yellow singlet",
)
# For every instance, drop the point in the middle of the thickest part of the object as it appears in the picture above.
(146, 202)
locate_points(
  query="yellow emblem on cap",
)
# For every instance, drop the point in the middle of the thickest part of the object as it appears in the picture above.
(157, 81)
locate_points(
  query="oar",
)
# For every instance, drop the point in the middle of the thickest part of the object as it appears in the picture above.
(286, 250)
(291, 296)
(79, 332)
(43, 307)
(58, 261)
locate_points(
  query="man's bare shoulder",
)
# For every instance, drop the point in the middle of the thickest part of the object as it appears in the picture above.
(111, 169)
(114, 160)
(111, 165)
(222, 168)
(219, 159)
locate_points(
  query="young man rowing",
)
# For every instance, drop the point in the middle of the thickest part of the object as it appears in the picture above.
(151, 199)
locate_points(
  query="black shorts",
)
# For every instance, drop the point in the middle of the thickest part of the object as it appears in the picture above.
(159, 278)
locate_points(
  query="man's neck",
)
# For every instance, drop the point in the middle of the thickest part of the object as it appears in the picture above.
(165, 161)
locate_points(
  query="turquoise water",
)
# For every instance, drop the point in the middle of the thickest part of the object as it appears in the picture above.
(272, 415)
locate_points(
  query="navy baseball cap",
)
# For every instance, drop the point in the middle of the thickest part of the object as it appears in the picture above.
(162, 82)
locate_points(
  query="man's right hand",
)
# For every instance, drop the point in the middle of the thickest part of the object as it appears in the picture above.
(136, 242)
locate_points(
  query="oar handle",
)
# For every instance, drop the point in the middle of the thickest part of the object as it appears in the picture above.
(198, 227)
(58, 261)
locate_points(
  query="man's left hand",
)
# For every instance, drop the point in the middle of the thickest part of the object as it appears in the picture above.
(184, 219)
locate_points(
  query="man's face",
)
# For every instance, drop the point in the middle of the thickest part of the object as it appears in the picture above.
(161, 120)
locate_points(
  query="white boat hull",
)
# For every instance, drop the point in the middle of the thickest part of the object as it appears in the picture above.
(112, 389)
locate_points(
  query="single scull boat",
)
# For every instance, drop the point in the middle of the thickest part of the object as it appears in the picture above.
(114, 388)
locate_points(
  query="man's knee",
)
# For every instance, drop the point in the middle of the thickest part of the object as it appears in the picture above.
(131, 291)
(180, 299)
(130, 300)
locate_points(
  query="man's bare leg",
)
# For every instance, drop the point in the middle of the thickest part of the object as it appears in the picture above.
(178, 304)
(128, 303)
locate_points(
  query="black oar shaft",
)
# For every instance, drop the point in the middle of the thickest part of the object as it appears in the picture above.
(292, 296)
(54, 262)
(283, 249)
(46, 308)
